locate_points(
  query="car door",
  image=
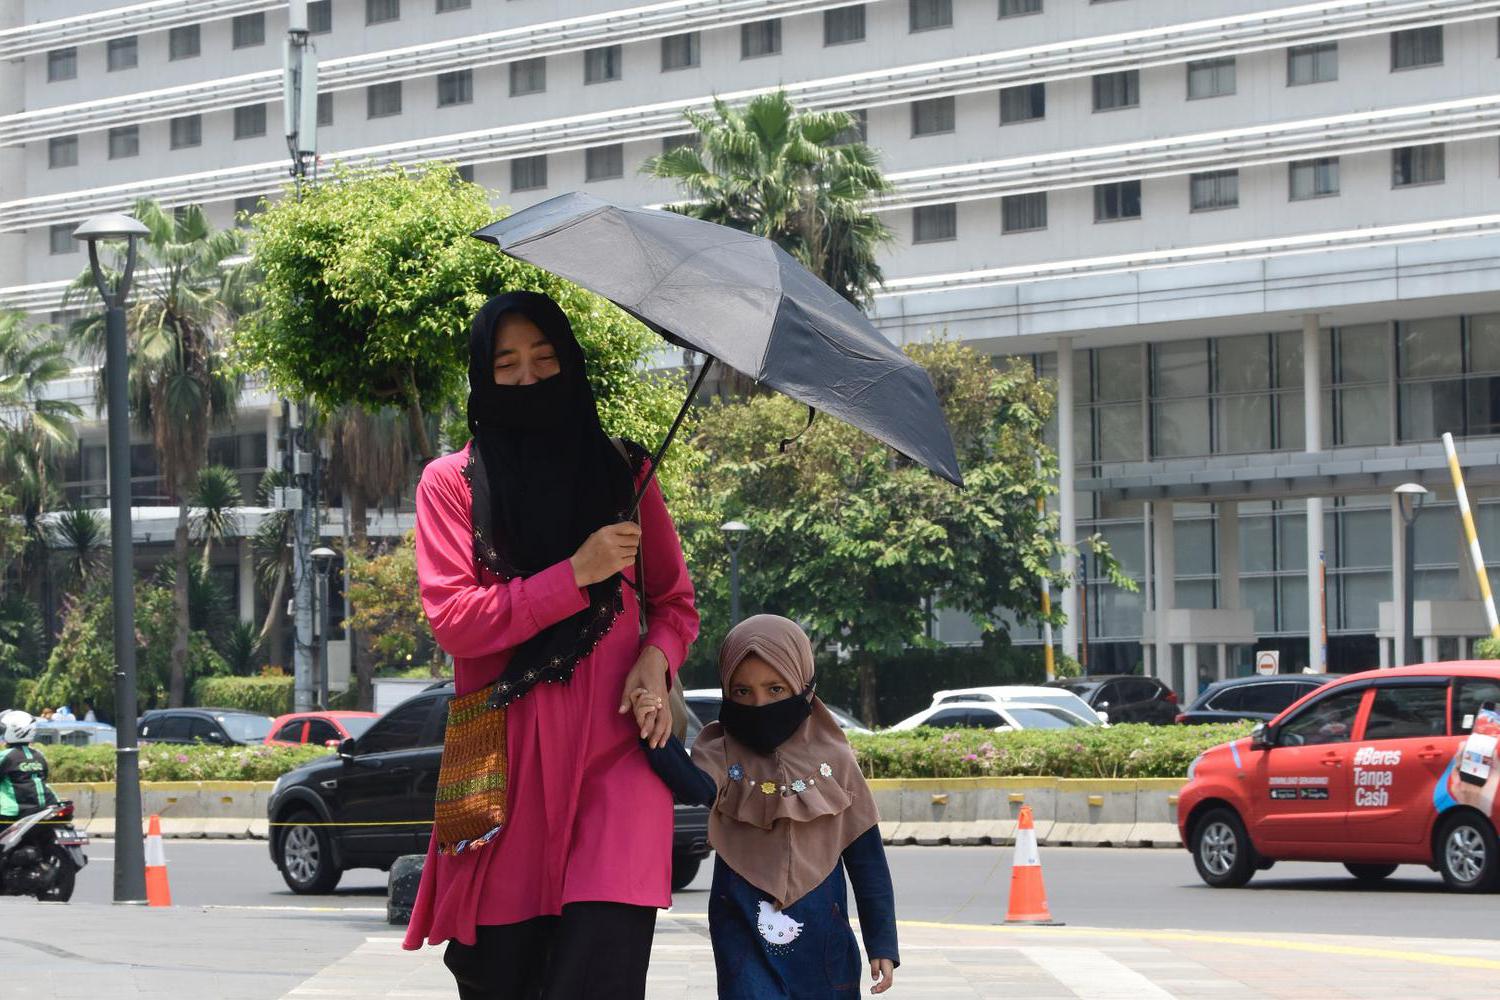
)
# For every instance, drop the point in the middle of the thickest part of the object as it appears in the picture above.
(292, 732)
(1302, 786)
(375, 796)
(1403, 752)
(1109, 698)
(170, 727)
(321, 732)
(206, 731)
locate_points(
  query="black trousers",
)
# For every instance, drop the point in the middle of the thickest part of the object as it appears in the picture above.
(593, 951)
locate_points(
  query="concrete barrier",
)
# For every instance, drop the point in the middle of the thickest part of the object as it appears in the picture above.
(1093, 812)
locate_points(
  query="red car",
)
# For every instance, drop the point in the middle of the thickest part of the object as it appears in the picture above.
(1375, 770)
(321, 728)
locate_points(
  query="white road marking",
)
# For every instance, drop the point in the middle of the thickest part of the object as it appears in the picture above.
(1093, 975)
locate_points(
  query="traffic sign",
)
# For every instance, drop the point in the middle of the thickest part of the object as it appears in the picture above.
(1268, 661)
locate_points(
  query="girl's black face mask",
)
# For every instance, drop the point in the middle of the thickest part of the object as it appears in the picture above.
(763, 728)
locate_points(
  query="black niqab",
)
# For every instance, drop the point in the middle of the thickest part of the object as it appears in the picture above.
(543, 477)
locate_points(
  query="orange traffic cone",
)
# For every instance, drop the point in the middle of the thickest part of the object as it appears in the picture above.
(1028, 898)
(158, 891)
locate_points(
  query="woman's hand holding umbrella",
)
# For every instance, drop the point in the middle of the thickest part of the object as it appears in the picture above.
(606, 552)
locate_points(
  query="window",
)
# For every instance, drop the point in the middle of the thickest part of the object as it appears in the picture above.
(320, 17)
(383, 99)
(1329, 720)
(1214, 189)
(1409, 711)
(671, 142)
(1120, 200)
(291, 732)
(528, 76)
(1313, 178)
(62, 64)
(320, 732)
(206, 731)
(1417, 165)
(455, 88)
(1015, 8)
(1312, 64)
(249, 121)
(444, 6)
(602, 65)
(1473, 693)
(1026, 103)
(679, 51)
(1117, 90)
(761, 38)
(528, 173)
(603, 163)
(858, 130)
(124, 142)
(1448, 376)
(934, 223)
(1417, 47)
(60, 239)
(183, 42)
(843, 25)
(466, 172)
(62, 151)
(325, 109)
(1020, 213)
(187, 131)
(1210, 78)
(380, 11)
(121, 53)
(932, 117)
(925, 15)
(402, 728)
(245, 207)
(249, 30)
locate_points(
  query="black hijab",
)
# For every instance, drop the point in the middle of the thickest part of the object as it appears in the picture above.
(543, 477)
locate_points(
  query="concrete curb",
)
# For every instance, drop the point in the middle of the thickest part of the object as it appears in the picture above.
(1082, 812)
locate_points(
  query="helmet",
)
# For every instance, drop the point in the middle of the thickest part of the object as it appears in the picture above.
(20, 727)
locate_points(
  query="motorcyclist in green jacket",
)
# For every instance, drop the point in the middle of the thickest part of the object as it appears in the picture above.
(23, 770)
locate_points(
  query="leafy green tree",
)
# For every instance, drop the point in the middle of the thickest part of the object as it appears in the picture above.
(82, 538)
(799, 178)
(387, 606)
(215, 500)
(191, 285)
(858, 544)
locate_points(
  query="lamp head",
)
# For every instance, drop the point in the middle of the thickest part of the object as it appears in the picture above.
(322, 556)
(1410, 496)
(734, 527)
(112, 226)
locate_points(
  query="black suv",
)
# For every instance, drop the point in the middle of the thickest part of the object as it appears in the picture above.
(1125, 697)
(1262, 697)
(218, 726)
(382, 786)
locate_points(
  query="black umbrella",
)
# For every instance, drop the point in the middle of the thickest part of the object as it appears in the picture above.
(741, 299)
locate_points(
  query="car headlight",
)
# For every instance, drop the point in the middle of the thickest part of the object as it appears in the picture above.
(1193, 767)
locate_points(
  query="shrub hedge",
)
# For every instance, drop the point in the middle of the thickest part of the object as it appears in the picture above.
(267, 695)
(1123, 751)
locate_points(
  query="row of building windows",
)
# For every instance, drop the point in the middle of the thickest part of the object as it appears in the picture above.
(1207, 191)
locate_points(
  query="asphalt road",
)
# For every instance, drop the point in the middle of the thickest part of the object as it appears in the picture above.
(1140, 888)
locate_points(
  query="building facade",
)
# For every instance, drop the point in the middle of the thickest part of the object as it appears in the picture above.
(1254, 242)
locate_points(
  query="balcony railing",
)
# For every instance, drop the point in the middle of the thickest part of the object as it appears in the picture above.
(117, 22)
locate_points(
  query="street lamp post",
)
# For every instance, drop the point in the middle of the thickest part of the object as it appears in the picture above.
(130, 859)
(733, 531)
(1409, 497)
(322, 558)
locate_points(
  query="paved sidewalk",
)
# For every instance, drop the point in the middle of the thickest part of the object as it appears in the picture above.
(959, 962)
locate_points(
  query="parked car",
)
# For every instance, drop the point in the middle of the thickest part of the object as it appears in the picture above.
(381, 785)
(992, 715)
(217, 726)
(77, 734)
(705, 704)
(1374, 770)
(1034, 694)
(1125, 697)
(321, 728)
(1261, 697)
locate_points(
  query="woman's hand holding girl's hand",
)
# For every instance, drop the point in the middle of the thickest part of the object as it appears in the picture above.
(645, 705)
(883, 971)
(650, 675)
(606, 552)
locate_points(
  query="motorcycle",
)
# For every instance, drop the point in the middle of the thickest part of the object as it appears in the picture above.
(42, 854)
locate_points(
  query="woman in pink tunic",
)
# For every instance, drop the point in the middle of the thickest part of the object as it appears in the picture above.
(528, 578)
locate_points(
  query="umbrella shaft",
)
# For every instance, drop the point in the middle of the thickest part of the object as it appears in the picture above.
(635, 506)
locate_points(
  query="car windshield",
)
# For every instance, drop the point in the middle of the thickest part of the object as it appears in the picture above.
(357, 724)
(844, 719)
(245, 728)
(1045, 718)
(1081, 690)
(1067, 702)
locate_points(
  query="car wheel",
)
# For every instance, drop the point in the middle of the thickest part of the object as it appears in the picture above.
(684, 870)
(305, 856)
(1369, 873)
(1222, 851)
(1467, 853)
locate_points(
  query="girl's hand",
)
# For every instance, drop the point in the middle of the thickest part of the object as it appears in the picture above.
(883, 971)
(650, 672)
(644, 705)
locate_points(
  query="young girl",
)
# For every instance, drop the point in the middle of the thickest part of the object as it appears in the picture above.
(791, 813)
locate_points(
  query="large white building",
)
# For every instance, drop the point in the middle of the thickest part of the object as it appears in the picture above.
(1261, 237)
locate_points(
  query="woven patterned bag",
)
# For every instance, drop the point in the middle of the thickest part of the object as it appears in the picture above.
(472, 782)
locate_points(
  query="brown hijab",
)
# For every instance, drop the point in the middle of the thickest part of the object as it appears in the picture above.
(781, 821)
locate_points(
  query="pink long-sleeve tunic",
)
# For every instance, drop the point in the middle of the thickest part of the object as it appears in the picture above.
(588, 820)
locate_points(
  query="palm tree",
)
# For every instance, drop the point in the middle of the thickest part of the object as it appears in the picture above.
(83, 538)
(216, 497)
(191, 290)
(271, 545)
(791, 176)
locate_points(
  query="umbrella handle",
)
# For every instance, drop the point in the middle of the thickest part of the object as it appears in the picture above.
(635, 505)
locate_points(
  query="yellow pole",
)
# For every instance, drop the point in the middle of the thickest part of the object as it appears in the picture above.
(1041, 506)
(1475, 555)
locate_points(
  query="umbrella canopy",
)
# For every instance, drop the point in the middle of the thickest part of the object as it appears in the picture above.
(743, 300)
